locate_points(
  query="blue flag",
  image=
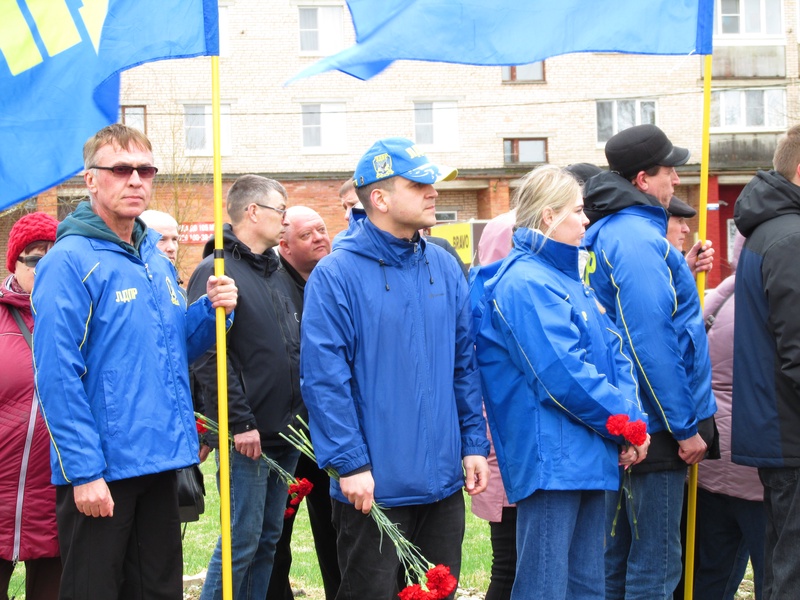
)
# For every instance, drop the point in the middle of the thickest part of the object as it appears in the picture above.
(59, 75)
(515, 32)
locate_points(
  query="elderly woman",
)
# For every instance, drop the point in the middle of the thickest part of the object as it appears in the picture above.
(553, 371)
(27, 498)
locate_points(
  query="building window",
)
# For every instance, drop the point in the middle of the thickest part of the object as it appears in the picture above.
(68, 204)
(134, 116)
(524, 151)
(737, 110)
(324, 126)
(748, 17)
(446, 216)
(436, 124)
(524, 73)
(321, 29)
(614, 116)
(199, 129)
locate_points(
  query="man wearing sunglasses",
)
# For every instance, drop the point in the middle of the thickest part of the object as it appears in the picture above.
(113, 340)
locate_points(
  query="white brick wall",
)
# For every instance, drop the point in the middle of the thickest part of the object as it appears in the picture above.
(266, 119)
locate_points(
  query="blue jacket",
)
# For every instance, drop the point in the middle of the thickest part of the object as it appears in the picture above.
(766, 363)
(387, 366)
(648, 289)
(111, 339)
(553, 369)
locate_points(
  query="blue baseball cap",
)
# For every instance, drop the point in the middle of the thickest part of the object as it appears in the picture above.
(398, 157)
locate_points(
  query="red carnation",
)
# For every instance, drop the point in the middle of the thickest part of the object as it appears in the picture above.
(305, 486)
(201, 428)
(636, 432)
(616, 424)
(440, 581)
(288, 513)
(412, 592)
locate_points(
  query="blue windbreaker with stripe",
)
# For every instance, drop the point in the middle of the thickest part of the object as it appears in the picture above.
(553, 369)
(648, 289)
(112, 345)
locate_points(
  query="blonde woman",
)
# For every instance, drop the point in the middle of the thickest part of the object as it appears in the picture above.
(553, 371)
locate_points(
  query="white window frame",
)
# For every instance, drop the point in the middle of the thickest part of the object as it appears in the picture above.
(129, 120)
(722, 97)
(615, 114)
(332, 126)
(328, 33)
(744, 38)
(517, 139)
(443, 124)
(208, 133)
(510, 74)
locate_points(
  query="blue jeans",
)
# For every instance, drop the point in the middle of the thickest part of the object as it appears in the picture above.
(258, 501)
(782, 543)
(647, 567)
(729, 530)
(560, 546)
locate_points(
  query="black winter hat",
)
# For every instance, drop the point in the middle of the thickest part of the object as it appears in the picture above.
(640, 147)
(679, 208)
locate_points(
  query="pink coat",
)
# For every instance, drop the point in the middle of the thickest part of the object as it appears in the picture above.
(495, 244)
(29, 526)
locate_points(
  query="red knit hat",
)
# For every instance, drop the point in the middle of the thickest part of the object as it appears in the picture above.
(33, 227)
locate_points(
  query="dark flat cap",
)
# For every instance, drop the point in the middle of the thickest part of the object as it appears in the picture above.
(641, 147)
(679, 208)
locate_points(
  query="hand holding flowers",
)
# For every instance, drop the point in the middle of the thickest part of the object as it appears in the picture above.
(634, 432)
(298, 488)
(435, 582)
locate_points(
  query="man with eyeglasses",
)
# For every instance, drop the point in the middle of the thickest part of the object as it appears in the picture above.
(647, 288)
(113, 341)
(263, 380)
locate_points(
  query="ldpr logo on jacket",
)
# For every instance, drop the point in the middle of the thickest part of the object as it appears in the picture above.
(127, 295)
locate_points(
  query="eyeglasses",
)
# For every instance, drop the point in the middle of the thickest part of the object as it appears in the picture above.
(280, 211)
(145, 172)
(30, 261)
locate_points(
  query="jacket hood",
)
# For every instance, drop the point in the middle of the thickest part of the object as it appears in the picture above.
(86, 223)
(268, 261)
(12, 297)
(609, 192)
(365, 239)
(768, 195)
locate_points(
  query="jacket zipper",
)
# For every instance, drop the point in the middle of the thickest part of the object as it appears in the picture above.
(23, 475)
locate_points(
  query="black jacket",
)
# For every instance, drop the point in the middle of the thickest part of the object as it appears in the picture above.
(766, 363)
(263, 343)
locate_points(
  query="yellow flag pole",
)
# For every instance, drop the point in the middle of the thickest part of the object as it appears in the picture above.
(222, 352)
(691, 514)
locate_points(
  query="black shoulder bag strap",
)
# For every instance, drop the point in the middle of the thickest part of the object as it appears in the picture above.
(26, 333)
(709, 320)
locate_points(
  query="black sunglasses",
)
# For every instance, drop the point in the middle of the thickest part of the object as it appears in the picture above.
(30, 261)
(144, 172)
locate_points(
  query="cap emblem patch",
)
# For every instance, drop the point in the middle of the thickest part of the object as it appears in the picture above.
(383, 166)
